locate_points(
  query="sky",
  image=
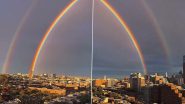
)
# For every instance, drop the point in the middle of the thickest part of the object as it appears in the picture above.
(68, 46)
(113, 55)
(157, 25)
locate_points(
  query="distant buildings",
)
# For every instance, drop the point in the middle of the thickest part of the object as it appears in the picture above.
(106, 82)
(19, 88)
(136, 82)
(177, 79)
(158, 79)
(50, 91)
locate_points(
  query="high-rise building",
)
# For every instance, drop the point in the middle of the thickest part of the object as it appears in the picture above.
(166, 94)
(137, 81)
(184, 68)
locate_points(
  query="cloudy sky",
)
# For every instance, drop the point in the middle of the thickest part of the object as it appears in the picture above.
(158, 26)
(67, 49)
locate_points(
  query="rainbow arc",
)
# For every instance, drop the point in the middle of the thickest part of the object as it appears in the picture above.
(128, 30)
(43, 40)
(12, 45)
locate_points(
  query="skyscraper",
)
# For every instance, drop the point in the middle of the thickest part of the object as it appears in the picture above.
(137, 81)
(184, 68)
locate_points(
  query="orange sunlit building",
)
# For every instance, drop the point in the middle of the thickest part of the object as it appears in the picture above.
(100, 83)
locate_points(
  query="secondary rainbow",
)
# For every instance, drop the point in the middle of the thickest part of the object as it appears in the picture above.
(15, 36)
(160, 33)
(130, 33)
(43, 40)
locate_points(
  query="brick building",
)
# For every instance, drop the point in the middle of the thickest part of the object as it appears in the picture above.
(166, 94)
